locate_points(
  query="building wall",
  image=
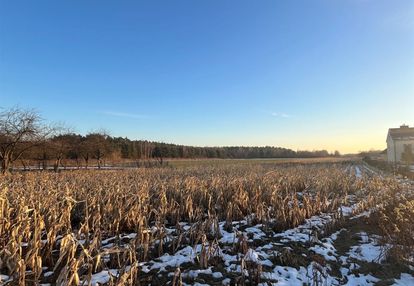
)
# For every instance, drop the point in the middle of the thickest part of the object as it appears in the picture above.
(390, 149)
(397, 146)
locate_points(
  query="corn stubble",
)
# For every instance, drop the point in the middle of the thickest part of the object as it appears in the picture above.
(57, 222)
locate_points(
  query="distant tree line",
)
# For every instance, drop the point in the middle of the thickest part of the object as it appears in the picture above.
(138, 149)
(24, 138)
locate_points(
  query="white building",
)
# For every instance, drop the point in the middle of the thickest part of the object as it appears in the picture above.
(398, 141)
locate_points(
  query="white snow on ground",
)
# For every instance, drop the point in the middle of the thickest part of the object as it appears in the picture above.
(361, 280)
(257, 232)
(347, 210)
(327, 249)
(286, 276)
(312, 275)
(363, 214)
(227, 237)
(358, 172)
(304, 232)
(405, 280)
(103, 276)
(264, 247)
(368, 250)
(4, 278)
(194, 273)
(252, 256)
(182, 256)
(47, 274)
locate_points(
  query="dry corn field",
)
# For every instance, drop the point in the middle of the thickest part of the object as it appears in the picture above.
(237, 224)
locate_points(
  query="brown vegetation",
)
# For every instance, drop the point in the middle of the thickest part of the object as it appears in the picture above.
(56, 222)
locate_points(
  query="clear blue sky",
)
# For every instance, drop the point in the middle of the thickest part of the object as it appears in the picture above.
(298, 74)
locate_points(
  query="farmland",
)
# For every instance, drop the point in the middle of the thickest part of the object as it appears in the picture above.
(320, 222)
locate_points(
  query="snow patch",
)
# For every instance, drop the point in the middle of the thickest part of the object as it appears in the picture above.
(405, 280)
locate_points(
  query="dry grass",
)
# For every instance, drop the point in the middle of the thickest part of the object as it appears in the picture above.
(58, 221)
(396, 222)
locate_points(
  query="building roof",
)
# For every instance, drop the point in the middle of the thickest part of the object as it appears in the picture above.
(404, 132)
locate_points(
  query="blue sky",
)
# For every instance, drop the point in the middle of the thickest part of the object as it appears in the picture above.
(298, 74)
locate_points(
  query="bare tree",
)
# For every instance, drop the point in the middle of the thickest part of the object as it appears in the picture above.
(20, 130)
(85, 151)
(60, 146)
(96, 146)
(75, 150)
(42, 154)
(158, 154)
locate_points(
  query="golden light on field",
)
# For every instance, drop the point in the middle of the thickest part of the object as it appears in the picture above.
(76, 225)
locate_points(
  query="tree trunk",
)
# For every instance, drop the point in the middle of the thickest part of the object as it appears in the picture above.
(57, 165)
(86, 158)
(44, 162)
(24, 165)
(5, 165)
